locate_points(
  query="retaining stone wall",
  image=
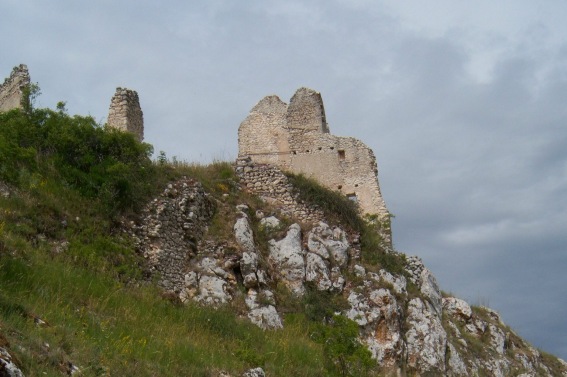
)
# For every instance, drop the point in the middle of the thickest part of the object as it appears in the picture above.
(271, 184)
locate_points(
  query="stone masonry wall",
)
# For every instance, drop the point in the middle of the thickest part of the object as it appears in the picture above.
(296, 137)
(268, 182)
(263, 134)
(170, 230)
(11, 90)
(125, 112)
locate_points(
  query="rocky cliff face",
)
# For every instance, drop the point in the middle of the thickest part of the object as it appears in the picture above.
(404, 320)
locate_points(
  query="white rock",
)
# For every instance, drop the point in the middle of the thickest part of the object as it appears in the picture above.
(256, 372)
(455, 365)
(399, 283)
(287, 257)
(263, 314)
(378, 314)
(248, 268)
(426, 339)
(359, 271)
(270, 222)
(337, 279)
(497, 339)
(7, 367)
(212, 291)
(425, 281)
(317, 271)
(329, 243)
(457, 308)
(243, 234)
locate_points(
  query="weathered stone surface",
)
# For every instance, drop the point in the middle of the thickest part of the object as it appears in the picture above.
(208, 282)
(426, 339)
(316, 270)
(425, 281)
(329, 244)
(398, 327)
(12, 90)
(243, 233)
(378, 314)
(262, 310)
(255, 372)
(287, 256)
(125, 112)
(7, 366)
(457, 308)
(170, 229)
(455, 365)
(270, 222)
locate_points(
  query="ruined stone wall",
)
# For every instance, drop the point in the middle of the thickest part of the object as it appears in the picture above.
(306, 112)
(170, 230)
(125, 112)
(264, 133)
(11, 91)
(344, 164)
(268, 182)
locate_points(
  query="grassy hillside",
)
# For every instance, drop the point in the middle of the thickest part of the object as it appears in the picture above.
(71, 284)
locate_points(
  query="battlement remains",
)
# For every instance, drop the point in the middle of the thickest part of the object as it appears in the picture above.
(12, 90)
(125, 112)
(296, 138)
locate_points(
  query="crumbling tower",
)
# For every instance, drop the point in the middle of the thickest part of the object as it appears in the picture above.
(12, 90)
(296, 138)
(125, 112)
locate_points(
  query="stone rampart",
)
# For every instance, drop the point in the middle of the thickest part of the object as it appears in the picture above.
(296, 138)
(12, 90)
(125, 112)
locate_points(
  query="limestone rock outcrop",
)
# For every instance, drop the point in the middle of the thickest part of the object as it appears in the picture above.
(7, 366)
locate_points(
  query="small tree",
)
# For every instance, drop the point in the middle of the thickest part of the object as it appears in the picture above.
(29, 94)
(344, 355)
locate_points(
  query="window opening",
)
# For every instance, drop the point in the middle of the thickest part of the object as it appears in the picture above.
(341, 154)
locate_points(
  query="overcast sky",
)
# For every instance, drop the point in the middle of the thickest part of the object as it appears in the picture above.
(463, 103)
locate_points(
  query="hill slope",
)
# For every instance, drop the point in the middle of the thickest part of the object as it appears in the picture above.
(111, 264)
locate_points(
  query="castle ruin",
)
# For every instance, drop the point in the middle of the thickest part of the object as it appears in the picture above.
(125, 112)
(296, 138)
(12, 90)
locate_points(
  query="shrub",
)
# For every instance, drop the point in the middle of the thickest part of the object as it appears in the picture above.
(344, 355)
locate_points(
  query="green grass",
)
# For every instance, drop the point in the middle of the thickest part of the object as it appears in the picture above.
(105, 326)
(64, 259)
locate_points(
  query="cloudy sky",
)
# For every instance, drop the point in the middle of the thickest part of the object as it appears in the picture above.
(463, 103)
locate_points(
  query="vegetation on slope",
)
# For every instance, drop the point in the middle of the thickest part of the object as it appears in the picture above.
(71, 291)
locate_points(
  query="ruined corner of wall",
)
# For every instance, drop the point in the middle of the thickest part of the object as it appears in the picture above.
(12, 90)
(125, 113)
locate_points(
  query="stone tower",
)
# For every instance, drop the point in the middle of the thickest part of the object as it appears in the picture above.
(12, 90)
(125, 112)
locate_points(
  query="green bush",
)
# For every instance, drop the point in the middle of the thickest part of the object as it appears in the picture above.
(99, 163)
(344, 355)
